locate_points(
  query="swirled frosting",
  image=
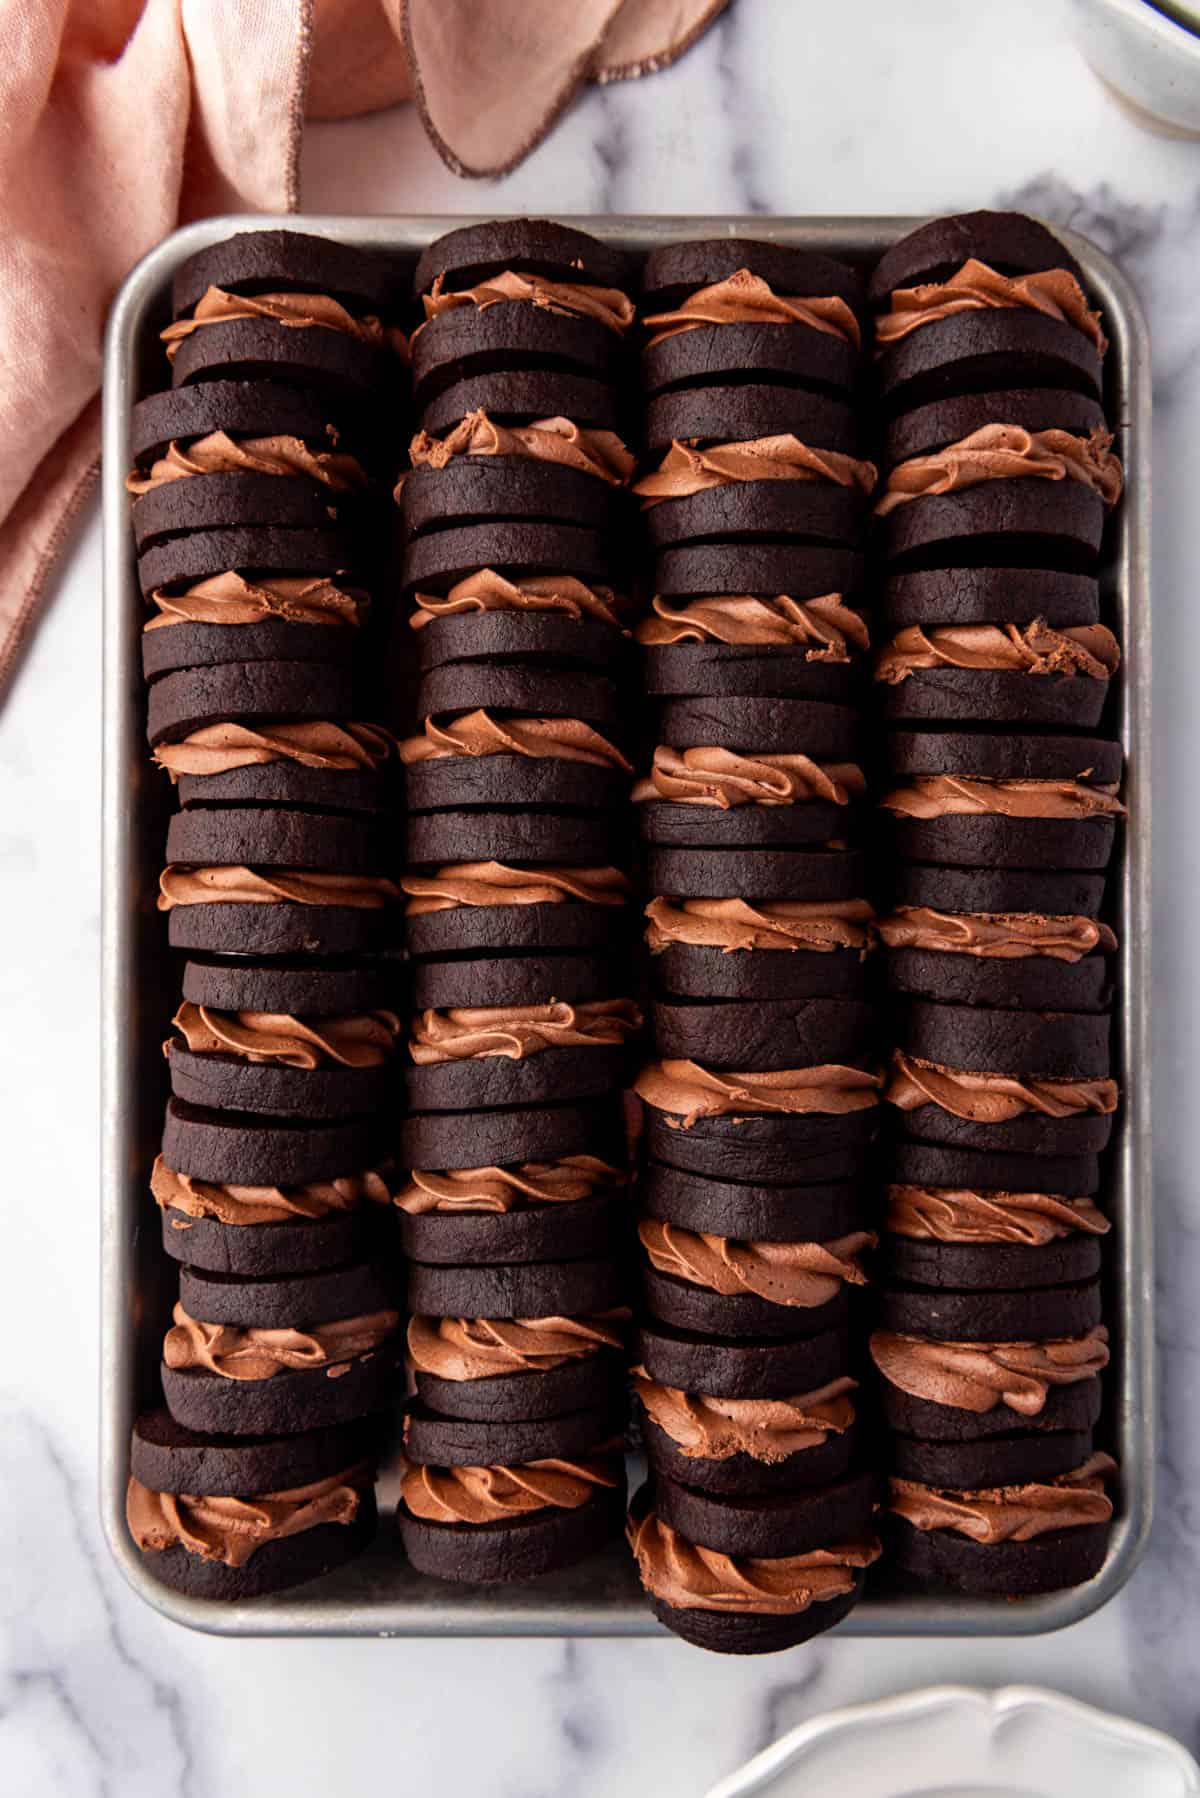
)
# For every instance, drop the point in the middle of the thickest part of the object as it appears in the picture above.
(1037, 648)
(1010, 1513)
(557, 440)
(976, 287)
(576, 299)
(487, 591)
(498, 1494)
(690, 1578)
(722, 777)
(248, 1205)
(1002, 452)
(1002, 936)
(358, 1040)
(182, 885)
(802, 1274)
(943, 1214)
(218, 748)
(828, 627)
(219, 453)
(480, 1348)
(230, 598)
(260, 1354)
(767, 1429)
(297, 310)
(950, 795)
(232, 1530)
(688, 468)
(822, 926)
(464, 1032)
(978, 1376)
(505, 1189)
(688, 1091)
(479, 733)
(992, 1098)
(492, 883)
(746, 299)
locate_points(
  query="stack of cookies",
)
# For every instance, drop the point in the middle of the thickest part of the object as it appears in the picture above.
(252, 487)
(517, 783)
(761, 1106)
(999, 824)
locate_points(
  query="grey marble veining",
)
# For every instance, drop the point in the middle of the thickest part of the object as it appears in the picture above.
(858, 108)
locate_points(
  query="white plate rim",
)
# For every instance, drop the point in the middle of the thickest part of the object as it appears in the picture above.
(991, 1710)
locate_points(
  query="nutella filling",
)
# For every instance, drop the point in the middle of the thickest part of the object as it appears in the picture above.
(487, 591)
(361, 1040)
(687, 468)
(746, 299)
(1003, 936)
(1010, 1513)
(231, 598)
(1037, 648)
(952, 795)
(824, 626)
(260, 1354)
(687, 1577)
(219, 453)
(182, 885)
(474, 1495)
(219, 748)
(556, 440)
(1002, 452)
(232, 1530)
(976, 287)
(722, 777)
(1033, 1219)
(979, 1376)
(802, 1274)
(575, 299)
(821, 926)
(478, 733)
(992, 1098)
(688, 1092)
(464, 1033)
(492, 883)
(769, 1430)
(526, 1187)
(191, 1198)
(480, 1348)
(297, 311)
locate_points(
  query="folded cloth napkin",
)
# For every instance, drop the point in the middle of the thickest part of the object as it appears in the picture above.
(120, 119)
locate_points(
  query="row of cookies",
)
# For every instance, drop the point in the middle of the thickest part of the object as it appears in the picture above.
(760, 1106)
(513, 1210)
(999, 822)
(255, 501)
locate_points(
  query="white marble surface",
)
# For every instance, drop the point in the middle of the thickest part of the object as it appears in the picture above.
(856, 107)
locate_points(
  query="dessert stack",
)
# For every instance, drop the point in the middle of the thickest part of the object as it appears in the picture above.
(761, 1103)
(514, 1205)
(252, 513)
(998, 826)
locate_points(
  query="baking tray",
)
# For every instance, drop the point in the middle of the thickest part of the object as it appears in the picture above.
(379, 1595)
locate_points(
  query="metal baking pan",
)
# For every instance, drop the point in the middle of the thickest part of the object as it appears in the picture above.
(379, 1595)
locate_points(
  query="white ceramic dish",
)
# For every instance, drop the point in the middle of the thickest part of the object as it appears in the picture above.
(952, 1742)
(1151, 61)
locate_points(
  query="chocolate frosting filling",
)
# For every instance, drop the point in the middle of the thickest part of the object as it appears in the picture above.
(766, 1429)
(1010, 1513)
(706, 776)
(948, 795)
(296, 310)
(181, 885)
(689, 1091)
(505, 1189)
(230, 598)
(360, 1040)
(939, 1214)
(480, 1348)
(218, 453)
(978, 1376)
(248, 1205)
(479, 733)
(976, 287)
(556, 440)
(992, 1098)
(1002, 452)
(573, 299)
(232, 1530)
(1002, 936)
(516, 1031)
(1037, 648)
(690, 1578)
(828, 628)
(687, 469)
(475, 1495)
(822, 926)
(217, 748)
(492, 883)
(746, 299)
(803, 1274)
(487, 591)
(254, 1354)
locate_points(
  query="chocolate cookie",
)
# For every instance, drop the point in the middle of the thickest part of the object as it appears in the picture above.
(1002, 1569)
(286, 1302)
(1028, 1314)
(994, 1266)
(790, 354)
(770, 1524)
(548, 838)
(1009, 242)
(291, 261)
(997, 696)
(458, 687)
(931, 1164)
(431, 1440)
(1068, 1409)
(772, 1151)
(491, 1082)
(440, 559)
(977, 351)
(596, 1379)
(250, 349)
(437, 1141)
(473, 253)
(1025, 522)
(990, 596)
(1027, 1134)
(766, 726)
(523, 396)
(473, 343)
(517, 1289)
(226, 1150)
(238, 501)
(581, 1229)
(992, 889)
(509, 1552)
(1006, 1460)
(513, 980)
(499, 929)
(550, 640)
(457, 783)
(752, 1213)
(757, 1033)
(674, 824)
(177, 562)
(696, 971)
(802, 571)
(169, 1458)
(948, 420)
(1021, 982)
(808, 874)
(807, 511)
(186, 645)
(673, 271)
(1040, 1045)
(739, 412)
(507, 489)
(743, 1475)
(702, 1312)
(284, 692)
(261, 1251)
(755, 670)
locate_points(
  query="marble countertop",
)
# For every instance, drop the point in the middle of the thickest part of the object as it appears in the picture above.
(932, 106)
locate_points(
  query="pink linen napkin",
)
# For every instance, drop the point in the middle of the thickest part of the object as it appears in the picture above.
(120, 119)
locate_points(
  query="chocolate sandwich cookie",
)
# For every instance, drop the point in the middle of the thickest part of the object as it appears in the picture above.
(769, 949)
(1022, 520)
(508, 489)
(746, 411)
(968, 1238)
(1005, 1460)
(948, 969)
(507, 1522)
(541, 1133)
(1022, 1314)
(272, 881)
(431, 1440)
(192, 698)
(769, 1525)
(499, 907)
(281, 305)
(475, 254)
(1014, 1540)
(801, 571)
(723, 1286)
(517, 1369)
(517, 1289)
(932, 1164)
(518, 551)
(753, 505)
(759, 1034)
(969, 1390)
(232, 1518)
(739, 310)
(555, 633)
(807, 875)
(743, 1604)
(277, 1356)
(715, 670)
(747, 1446)
(523, 397)
(1003, 800)
(559, 838)
(223, 1148)
(997, 891)
(1014, 1113)
(991, 596)
(569, 1209)
(747, 1212)
(766, 726)
(1042, 1045)
(742, 1369)
(708, 797)
(239, 501)
(287, 1041)
(328, 766)
(1011, 242)
(945, 421)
